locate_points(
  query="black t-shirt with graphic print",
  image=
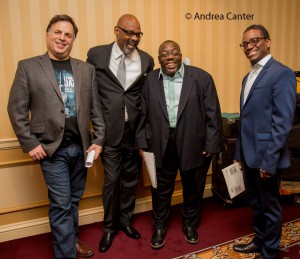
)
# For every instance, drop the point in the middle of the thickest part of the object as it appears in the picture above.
(64, 76)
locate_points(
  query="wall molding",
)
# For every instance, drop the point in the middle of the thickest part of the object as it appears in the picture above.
(11, 143)
(87, 216)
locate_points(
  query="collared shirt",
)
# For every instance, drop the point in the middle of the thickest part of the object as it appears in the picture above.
(132, 62)
(259, 65)
(177, 80)
(254, 72)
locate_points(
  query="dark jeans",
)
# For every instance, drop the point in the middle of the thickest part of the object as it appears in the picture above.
(65, 177)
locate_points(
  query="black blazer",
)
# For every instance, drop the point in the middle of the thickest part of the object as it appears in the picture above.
(198, 118)
(112, 94)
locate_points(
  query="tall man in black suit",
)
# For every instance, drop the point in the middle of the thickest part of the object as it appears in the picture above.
(52, 101)
(180, 123)
(121, 69)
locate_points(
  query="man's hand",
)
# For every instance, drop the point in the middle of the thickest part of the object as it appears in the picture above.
(239, 162)
(97, 148)
(206, 154)
(37, 153)
(141, 153)
(264, 175)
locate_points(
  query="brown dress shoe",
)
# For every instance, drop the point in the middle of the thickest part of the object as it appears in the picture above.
(83, 250)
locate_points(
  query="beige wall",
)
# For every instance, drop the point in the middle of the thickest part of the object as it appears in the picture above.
(211, 44)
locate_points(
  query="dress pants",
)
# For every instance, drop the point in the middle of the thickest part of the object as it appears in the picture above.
(65, 177)
(193, 183)
(264, 197)
(121, 168)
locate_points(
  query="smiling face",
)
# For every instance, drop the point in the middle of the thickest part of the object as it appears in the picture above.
(129, 23)
(60, 39)
(170, 57)
(260, 50)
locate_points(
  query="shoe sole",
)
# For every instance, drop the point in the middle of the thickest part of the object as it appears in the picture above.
(158, 246)
(191, 241)
(247, 252)
(85, 256)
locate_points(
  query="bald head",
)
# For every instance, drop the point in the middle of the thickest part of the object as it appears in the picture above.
(129, 20)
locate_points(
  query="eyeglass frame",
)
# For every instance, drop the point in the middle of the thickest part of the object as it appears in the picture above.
(173, 54)
(130, 33)
(245, 44)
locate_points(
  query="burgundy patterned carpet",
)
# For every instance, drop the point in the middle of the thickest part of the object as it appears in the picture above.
(218, 226)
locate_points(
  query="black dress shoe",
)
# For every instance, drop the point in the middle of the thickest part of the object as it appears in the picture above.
(106, 241)
(158, 238)
(130, 232)
(191, 235)
(247, 248)
(297, 201)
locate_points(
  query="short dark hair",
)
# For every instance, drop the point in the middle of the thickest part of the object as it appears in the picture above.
(62, 17)
(262, 29)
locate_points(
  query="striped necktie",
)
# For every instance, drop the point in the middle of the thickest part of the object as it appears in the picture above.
(171, 107)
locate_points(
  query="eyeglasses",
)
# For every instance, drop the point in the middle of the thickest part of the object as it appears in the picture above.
(131, 33)
(173, 54)
(253, 42)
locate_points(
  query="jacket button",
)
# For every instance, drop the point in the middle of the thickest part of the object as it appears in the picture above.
(61, 128)
(62, 111)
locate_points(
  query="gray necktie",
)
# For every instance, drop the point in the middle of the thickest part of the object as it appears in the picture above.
(121, 74)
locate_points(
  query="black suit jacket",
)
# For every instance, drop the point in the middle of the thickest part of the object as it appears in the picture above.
(112, 94)
(198, 118)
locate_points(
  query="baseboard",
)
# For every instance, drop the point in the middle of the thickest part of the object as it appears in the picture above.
(88, 216)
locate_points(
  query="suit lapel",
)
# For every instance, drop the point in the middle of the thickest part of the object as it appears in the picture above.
(160, 92)
(47, 67)
(242, 92)
(187, 85)
(77, 81)
(106, 60)
(144, 63)
(257, 80)
(144, 66)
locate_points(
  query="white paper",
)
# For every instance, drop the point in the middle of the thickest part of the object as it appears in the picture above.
(90, 158)
(234, 179)
(149, 159)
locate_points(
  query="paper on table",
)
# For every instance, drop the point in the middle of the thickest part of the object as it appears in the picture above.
(90, 159)
(234, 179)
(149, 159)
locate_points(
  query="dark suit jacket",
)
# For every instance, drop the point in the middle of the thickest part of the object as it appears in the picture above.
(266, 118)
(198, 118)
(35, 89)
(114, 97)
